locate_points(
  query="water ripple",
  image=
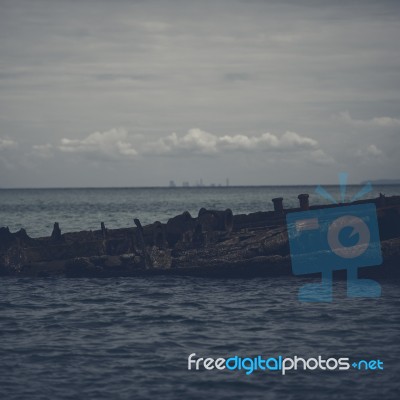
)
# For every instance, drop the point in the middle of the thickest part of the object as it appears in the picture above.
(124, 339)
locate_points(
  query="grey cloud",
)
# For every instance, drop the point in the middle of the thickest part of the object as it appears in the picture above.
(8, 147)
(319, 157)
(237, 76)
(197, 141)
(111, 144)
(230, 67)
(43, 150)
(129, 77)
(117, 144)
(382, 122)
(370, 151)
(6, 143)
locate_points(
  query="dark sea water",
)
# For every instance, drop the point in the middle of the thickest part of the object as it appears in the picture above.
(129, 338)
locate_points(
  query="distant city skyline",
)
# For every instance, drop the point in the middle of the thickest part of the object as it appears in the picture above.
(198, 183)
(133, 93)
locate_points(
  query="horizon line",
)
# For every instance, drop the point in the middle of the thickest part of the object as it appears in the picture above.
(188, 187)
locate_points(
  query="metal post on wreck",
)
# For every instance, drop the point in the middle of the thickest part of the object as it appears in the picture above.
(278, 204)
(103, 230)
(304, 201)
(56, 234)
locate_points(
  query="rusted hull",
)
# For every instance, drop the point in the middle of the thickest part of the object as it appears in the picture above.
(214, 244)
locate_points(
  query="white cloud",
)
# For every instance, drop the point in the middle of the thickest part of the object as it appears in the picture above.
(370, 152)
(321, 158)
(386, 122)
(383, 122)
(43, 150)
(111, 144)
(116, 144)
(197, 141)
(7, 144)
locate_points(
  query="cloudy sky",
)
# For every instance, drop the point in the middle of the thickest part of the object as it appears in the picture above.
(136, 93)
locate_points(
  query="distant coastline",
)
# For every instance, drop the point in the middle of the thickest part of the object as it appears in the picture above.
(383, 182)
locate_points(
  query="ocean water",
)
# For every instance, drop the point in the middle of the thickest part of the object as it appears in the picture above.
(129, 338)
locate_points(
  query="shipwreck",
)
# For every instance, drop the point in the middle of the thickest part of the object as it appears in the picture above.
(215, 243)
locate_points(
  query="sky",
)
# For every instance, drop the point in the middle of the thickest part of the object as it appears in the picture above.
(97, 93)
